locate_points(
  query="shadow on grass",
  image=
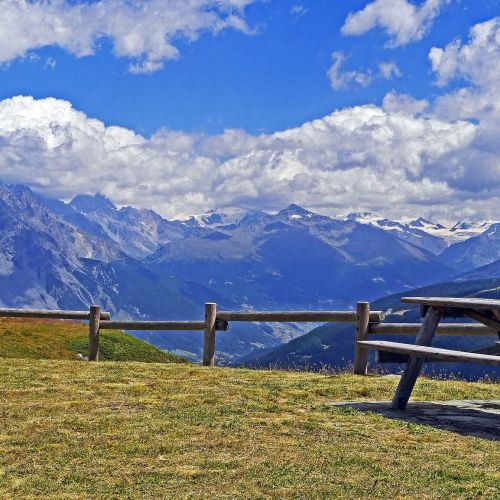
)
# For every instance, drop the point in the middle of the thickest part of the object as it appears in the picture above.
(468, 418)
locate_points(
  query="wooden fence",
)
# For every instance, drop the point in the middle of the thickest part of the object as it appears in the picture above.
(366, 323)
(219, 321)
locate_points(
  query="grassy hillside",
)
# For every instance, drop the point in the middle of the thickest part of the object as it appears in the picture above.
(44, 339)
(135, 430)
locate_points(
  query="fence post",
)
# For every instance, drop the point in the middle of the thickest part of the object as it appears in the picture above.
(362, 325)
(94, 318)
(209, 334)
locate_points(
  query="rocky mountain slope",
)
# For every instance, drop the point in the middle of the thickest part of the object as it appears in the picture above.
(298, 259)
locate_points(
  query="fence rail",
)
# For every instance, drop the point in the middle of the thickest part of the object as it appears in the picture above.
(366, 322)
(221, 326)
(49, 314)
(297, 316)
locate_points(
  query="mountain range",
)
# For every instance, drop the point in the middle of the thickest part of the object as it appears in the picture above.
(138, 265)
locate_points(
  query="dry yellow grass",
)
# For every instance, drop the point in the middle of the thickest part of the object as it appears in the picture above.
(135, 430)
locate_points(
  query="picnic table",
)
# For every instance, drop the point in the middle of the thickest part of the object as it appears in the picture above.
(434, 309)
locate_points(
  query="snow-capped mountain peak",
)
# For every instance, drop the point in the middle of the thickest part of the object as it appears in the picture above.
(425, 224)
(294, 211)
(217, 217)
(420, 227)
(473, 226)
(465, 230)
(361, 217)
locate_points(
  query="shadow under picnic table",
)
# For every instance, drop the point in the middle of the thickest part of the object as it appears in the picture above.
(465, 417)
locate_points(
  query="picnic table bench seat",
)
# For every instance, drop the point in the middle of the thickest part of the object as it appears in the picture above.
(427, 352)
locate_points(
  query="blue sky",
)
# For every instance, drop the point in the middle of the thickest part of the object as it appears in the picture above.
(391, 106)
(272, 80)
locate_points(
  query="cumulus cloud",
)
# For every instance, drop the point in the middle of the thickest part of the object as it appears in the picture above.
(403, 21)
(477, 61)
(407, 156)
(357, 157)
(476, 64)
(144, 32)
(342, 79)
(403, 103)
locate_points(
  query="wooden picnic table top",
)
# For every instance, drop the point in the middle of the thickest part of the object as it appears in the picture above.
(459, 303)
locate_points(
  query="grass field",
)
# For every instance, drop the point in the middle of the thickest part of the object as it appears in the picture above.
(39, 339)
(135, 430)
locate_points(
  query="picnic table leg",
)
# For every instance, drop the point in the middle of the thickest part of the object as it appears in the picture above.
(414, 364)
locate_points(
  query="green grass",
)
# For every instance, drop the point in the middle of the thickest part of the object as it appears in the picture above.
(134, 430)
(38, 339)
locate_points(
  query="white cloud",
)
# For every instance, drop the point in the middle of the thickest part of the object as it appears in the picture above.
(403, 103)
(356, 157)
(297, 11)
(144, 32)
(477, 64)
(389, 70)
(342, 79)
(50, 63)
(478, 61)
(407, 156)
(403, 21)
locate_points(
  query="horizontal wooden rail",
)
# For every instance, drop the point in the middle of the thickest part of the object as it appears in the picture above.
(220, 325)
(455, 329)
(296, 316)
(40, 313)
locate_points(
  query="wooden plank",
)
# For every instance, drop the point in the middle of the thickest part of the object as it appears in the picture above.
(444, 329)
(461, 303)
(385, 357)
(152, 325)
(221, 326)
(431, 353)
(297, 316)
(49, 314)
(492, 349)
(414, 365)
(362, 322)
(484, 319)
(94, 319)
(209, 335)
